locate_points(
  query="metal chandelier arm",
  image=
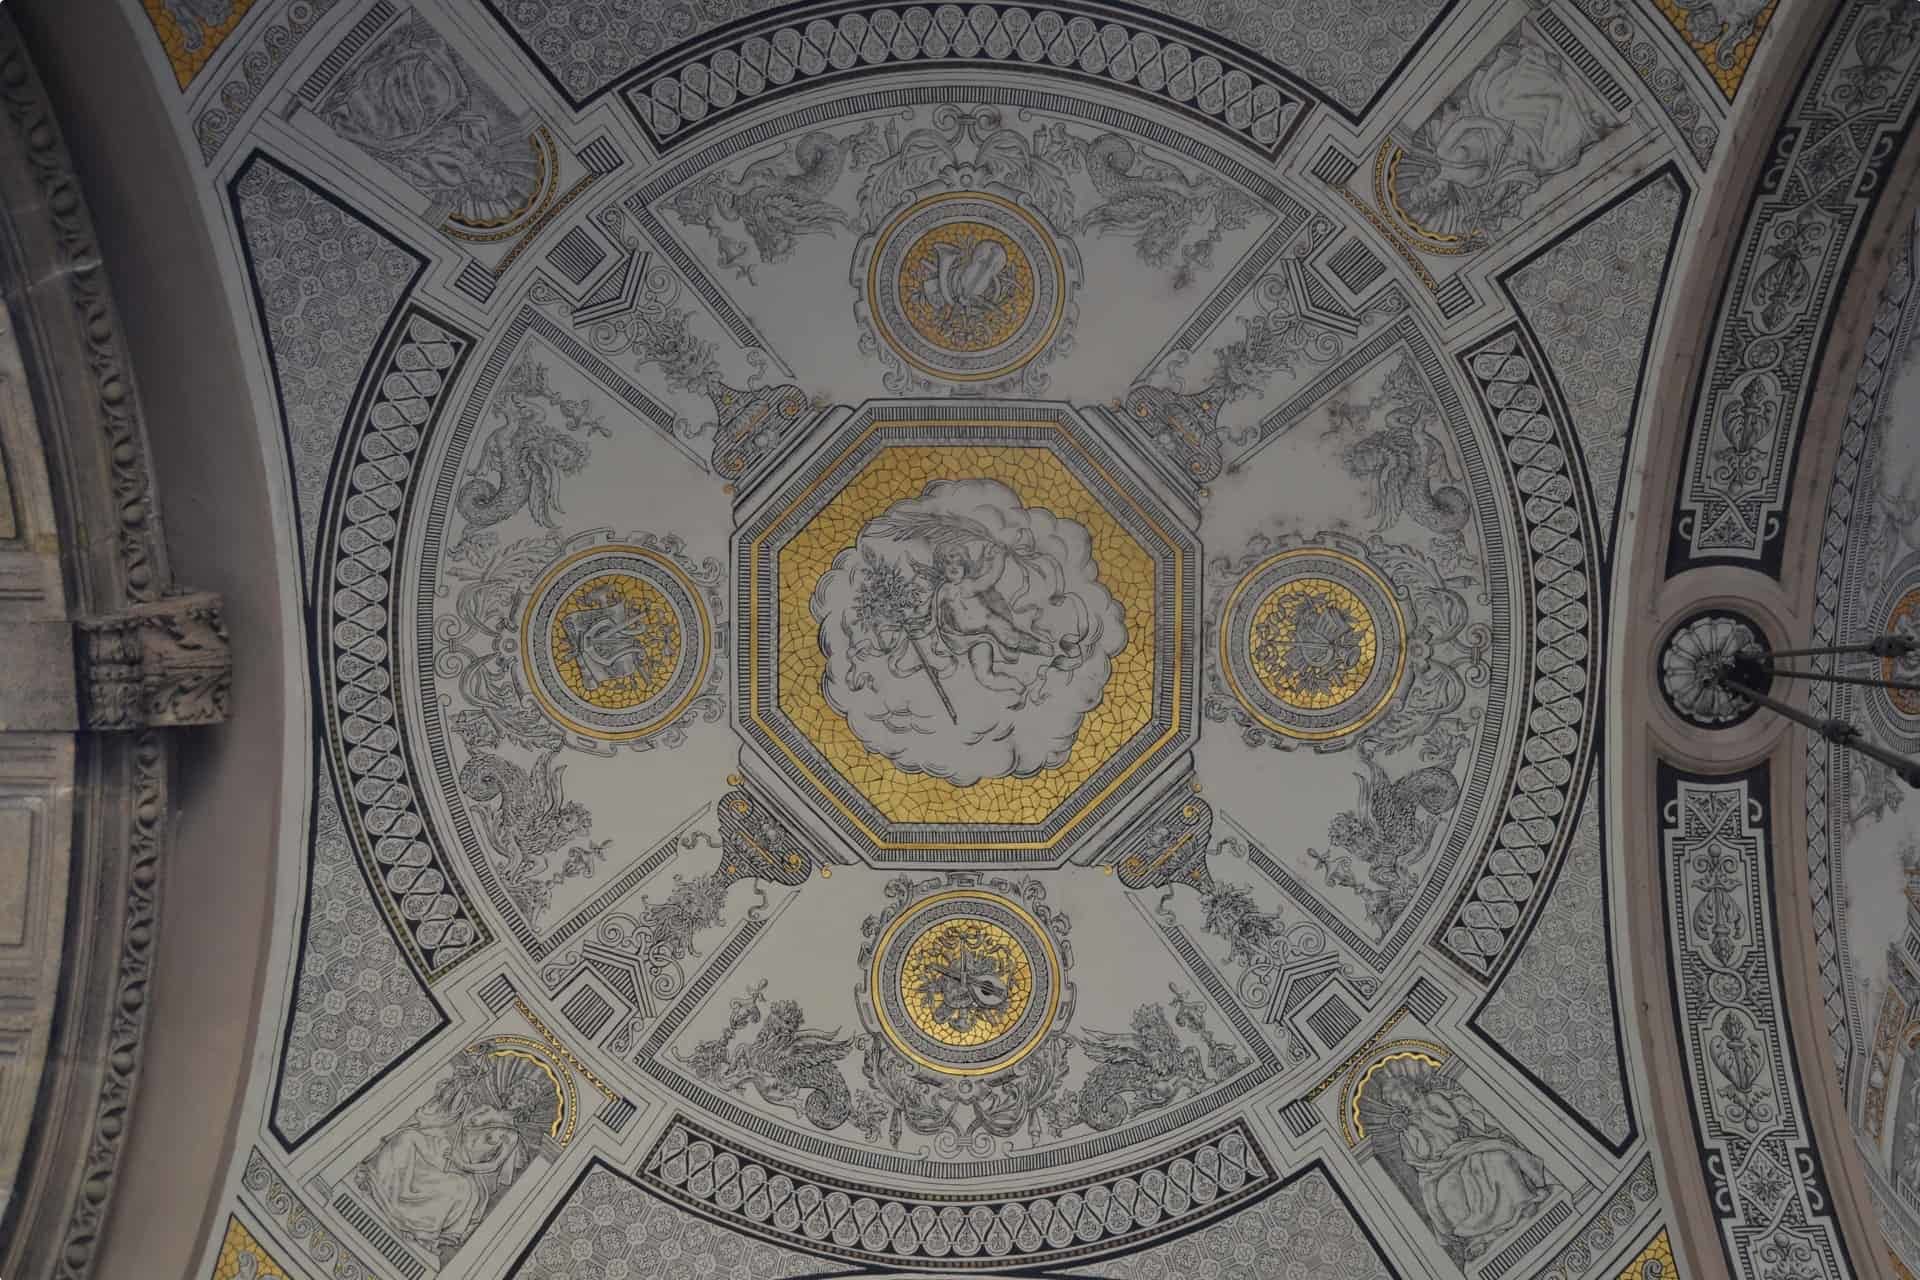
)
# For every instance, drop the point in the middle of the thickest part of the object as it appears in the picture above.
(1747, 672)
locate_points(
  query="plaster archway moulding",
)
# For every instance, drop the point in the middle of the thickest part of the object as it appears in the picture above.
(105, 658)
(1740, 789)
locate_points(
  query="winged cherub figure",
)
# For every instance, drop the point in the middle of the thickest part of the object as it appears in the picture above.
(988, 596)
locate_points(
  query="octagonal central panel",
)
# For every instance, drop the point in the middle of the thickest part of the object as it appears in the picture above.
(969, 633)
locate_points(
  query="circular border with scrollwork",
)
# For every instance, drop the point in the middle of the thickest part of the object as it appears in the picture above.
(542, 668)
(885, 990)
(1381, 681)
(1036, 329)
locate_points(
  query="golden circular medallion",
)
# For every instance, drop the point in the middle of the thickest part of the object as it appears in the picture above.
(966, 981)
(615, 642)
(1313, 643)
(639, 631)
(965, 286)
(1902, 619)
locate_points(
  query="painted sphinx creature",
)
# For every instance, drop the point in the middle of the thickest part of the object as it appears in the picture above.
(1521, 117)
(1467, 1177)
(436, 1177)
(415, 106)
(967, 635)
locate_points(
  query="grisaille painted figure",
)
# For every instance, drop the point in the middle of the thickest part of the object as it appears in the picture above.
(967, 634)
(1522, 116)
(1467, 1176)
(433, 1179)
(415, 106)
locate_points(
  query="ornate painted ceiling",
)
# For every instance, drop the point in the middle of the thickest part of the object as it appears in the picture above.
(981, 640)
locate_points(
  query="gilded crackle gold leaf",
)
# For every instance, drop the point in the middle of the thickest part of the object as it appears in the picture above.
(944, 961)
(1655, 1262)
(1727, 74)
(189, 50)
(1313, 643)
(654, 627)
(967, 328)
(244, 1258)
(1041, 480)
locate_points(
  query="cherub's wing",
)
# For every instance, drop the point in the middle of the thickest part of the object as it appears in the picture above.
(938, 529)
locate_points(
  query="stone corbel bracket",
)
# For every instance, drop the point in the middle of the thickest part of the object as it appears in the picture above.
(159, 664)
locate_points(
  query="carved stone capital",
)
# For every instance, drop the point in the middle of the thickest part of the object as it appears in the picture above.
(157, 664)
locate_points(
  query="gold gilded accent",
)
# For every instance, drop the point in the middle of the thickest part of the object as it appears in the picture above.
(653, 628)
(992, 286)
(566, 1102)
(553, 1078)
(1359, 1130)
(1728, 73)
(1017, 358)
(1386, 170)
(237, 1248)
(964, 982)
(903, 471)
(1050, 958)
(634, 591)
(1655, 1262)
(507, 225)
(553, 1042)
(1399, 652)
(188, 51)
(1313, 643)
(1905, 616)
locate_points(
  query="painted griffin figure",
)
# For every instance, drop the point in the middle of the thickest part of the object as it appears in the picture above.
(777, 200)
(1149, 1067)
(526, 818)
(1388, 833)
(788, 1063)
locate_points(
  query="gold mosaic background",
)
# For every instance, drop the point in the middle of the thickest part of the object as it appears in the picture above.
(1041, 480)
(933, 322)
(930, 953)
(1655, 1261)
(1279, 681)
(238, 1246)
(1727, 77)
(661, 629)
(186, 62)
